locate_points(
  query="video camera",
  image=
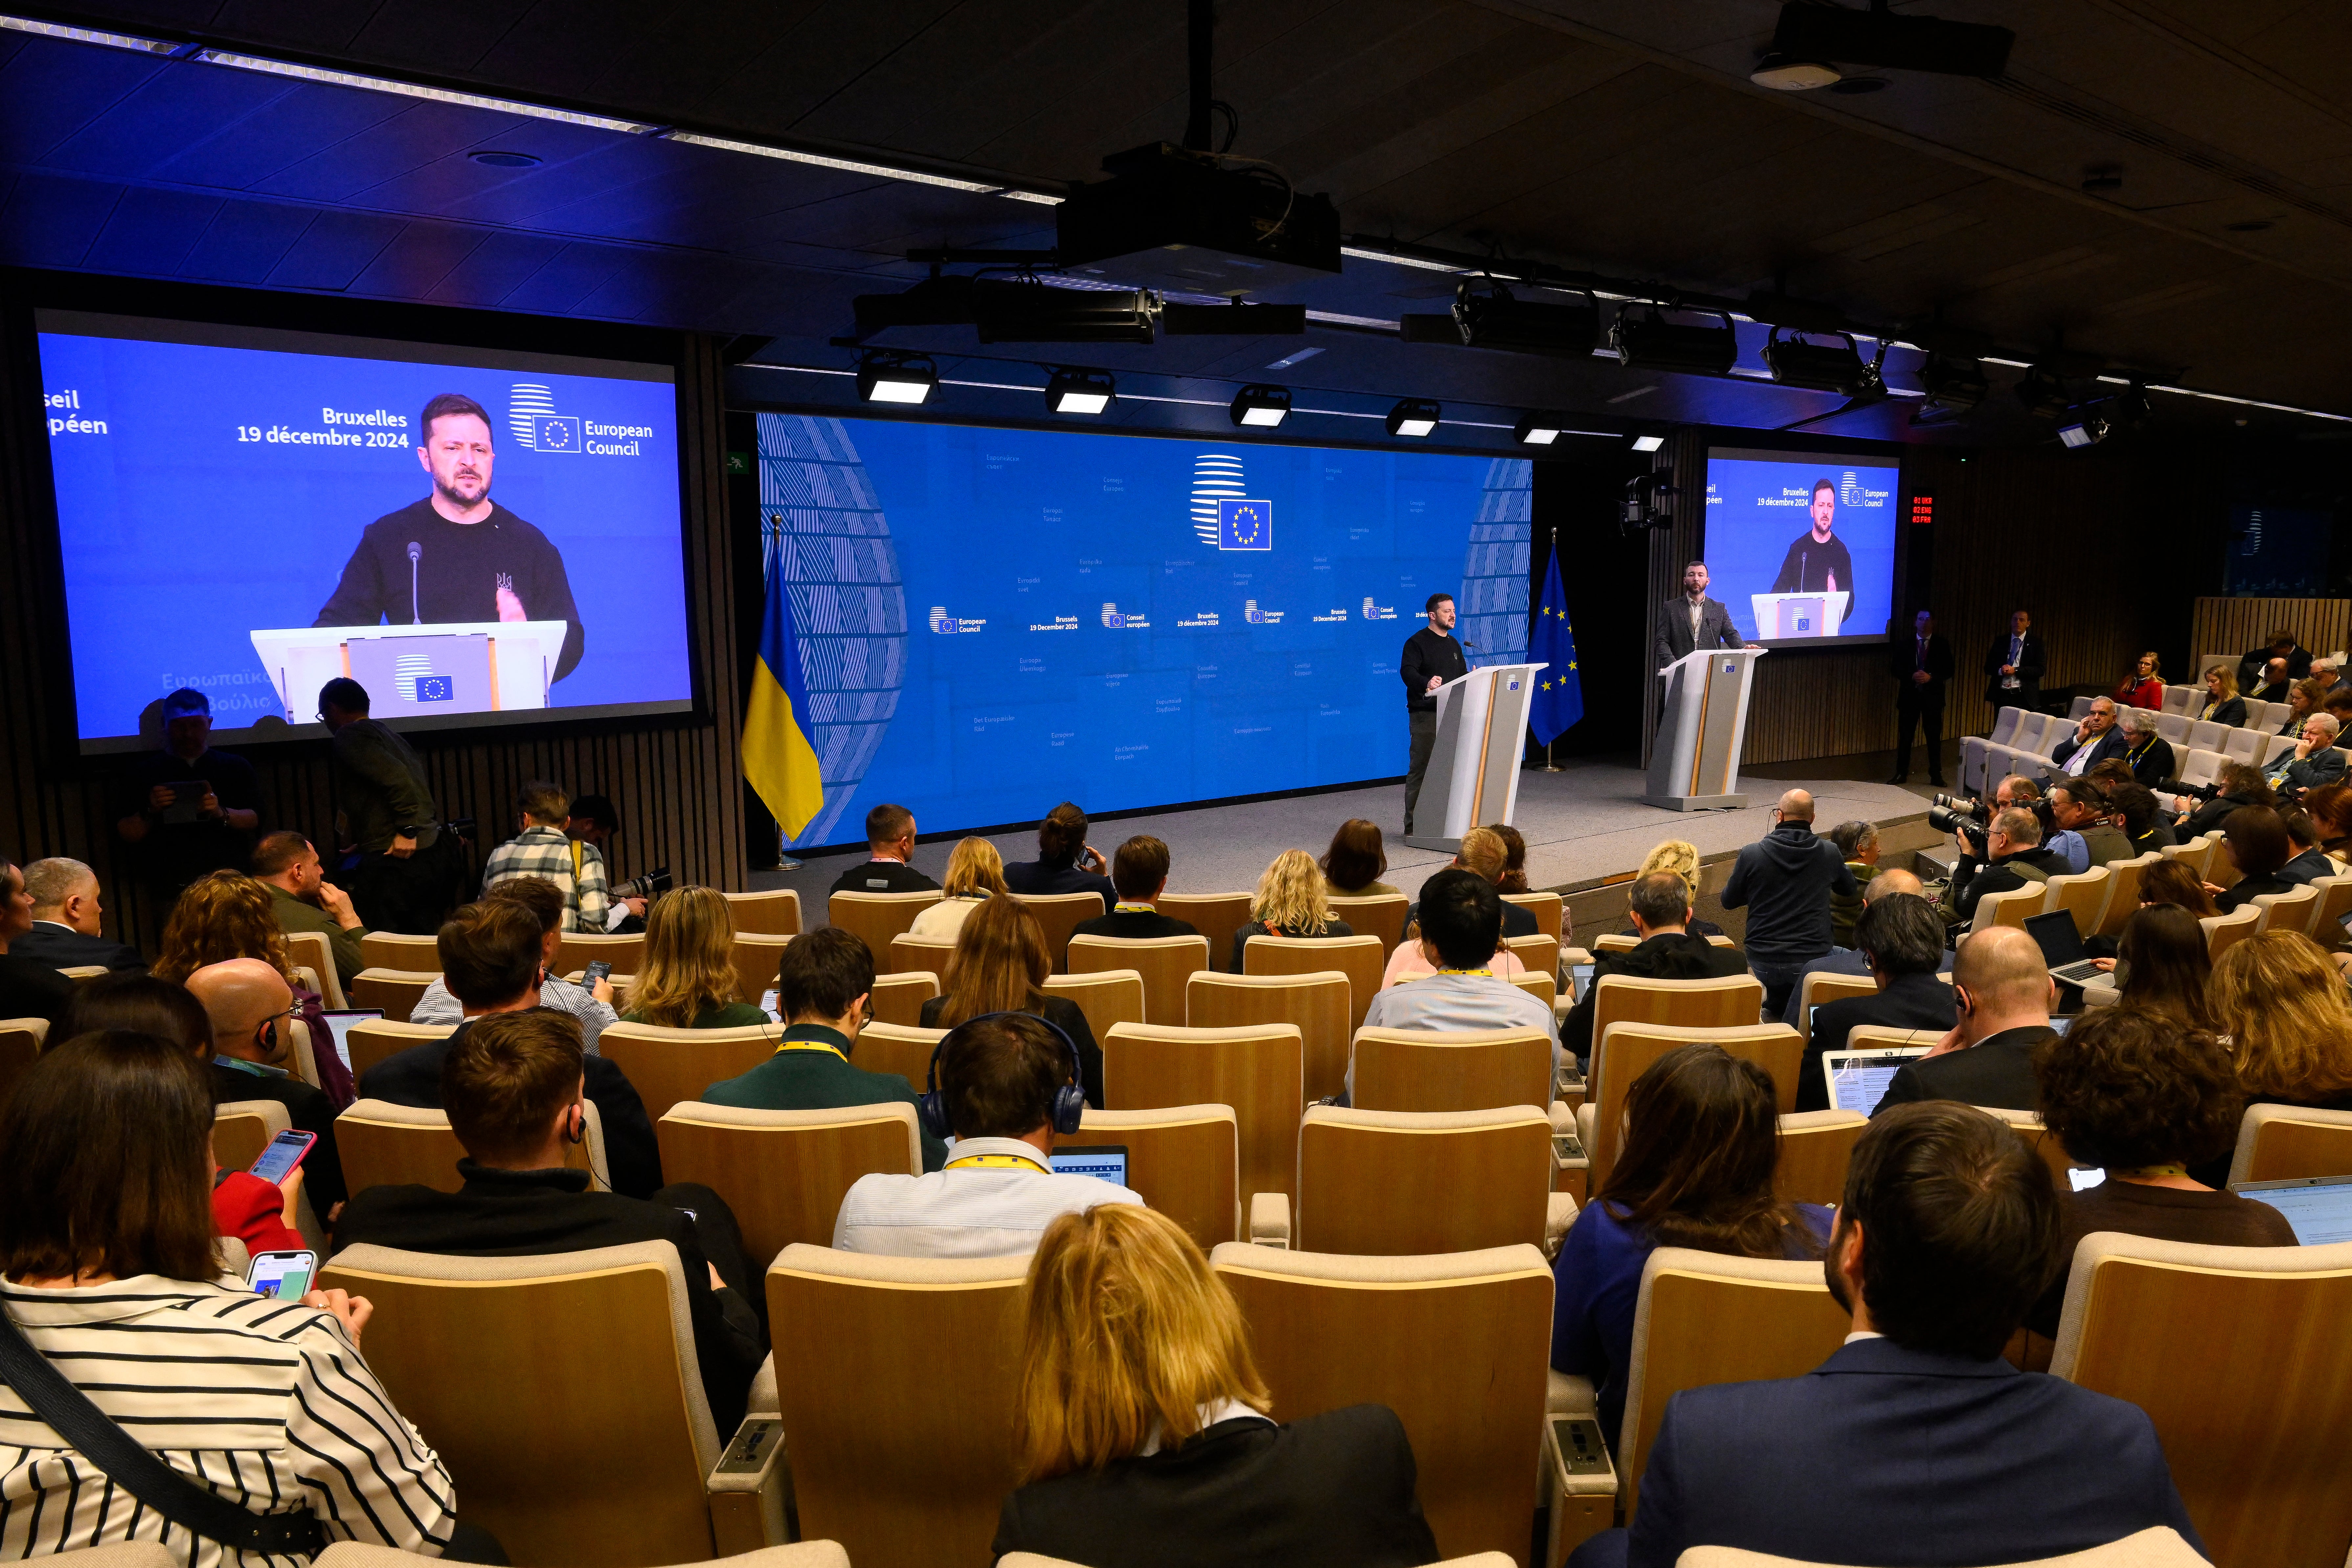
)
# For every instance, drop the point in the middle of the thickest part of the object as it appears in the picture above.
(652, 884)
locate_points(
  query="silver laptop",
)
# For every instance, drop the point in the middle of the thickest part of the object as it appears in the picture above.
(2319, 1207)
(339, 1024)
(1858, 1079)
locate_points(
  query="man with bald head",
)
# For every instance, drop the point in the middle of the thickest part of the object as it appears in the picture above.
(1784, 880)
(252, 1011)
(66, 932)
(2003, 991)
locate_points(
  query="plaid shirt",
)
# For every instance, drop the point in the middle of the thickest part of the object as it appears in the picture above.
(548, 852)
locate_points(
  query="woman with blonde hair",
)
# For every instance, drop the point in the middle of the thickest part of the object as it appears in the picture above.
(975, 873)
(1681, 857)
(999, 965)
(2222, 704)
(1140, 1431)
(2284, 1007)
(687, 978)
(1292, 899)
(227, 914)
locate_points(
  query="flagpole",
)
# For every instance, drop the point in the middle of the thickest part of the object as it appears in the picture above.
(1550, 766)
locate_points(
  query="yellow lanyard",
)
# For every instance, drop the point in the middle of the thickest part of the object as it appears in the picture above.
(2146, 1171)
(996, 1160)
(1487, 974)
(807, 1046)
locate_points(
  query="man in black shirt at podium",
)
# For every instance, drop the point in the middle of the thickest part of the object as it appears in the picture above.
(1431, 657)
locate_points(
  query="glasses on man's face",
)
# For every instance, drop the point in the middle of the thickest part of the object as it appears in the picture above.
(265, 1033)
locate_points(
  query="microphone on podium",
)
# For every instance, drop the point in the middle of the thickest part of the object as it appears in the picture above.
(416, 554)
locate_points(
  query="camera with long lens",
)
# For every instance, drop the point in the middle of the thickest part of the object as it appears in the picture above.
(1965, 817)
(651, 885)
(2197, 792)
(1961, 804)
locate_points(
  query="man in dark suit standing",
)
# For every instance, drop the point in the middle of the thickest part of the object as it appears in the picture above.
(2013, 666)
(1693, 621)
(1916, 1443)
(1923, 666)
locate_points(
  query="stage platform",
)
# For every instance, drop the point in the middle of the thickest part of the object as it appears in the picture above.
(1586, 827)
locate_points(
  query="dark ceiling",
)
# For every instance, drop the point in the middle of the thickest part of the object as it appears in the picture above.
(1621, 139)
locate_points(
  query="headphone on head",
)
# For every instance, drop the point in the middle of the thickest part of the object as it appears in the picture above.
(1069, 1099)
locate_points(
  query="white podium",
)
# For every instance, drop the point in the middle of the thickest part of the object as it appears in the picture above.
(1474, 769)
(1694, 759)
(1792, 615)
(462, 666)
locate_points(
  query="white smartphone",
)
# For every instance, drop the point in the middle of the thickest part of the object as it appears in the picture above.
(282, 1276)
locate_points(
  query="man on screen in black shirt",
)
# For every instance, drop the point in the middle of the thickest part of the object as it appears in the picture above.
(457, 556)
(1818, 563)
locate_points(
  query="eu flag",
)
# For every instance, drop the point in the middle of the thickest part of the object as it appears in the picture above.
(1244, 524)
(1559, 693)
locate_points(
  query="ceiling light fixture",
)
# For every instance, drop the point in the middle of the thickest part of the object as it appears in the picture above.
(1643, 336)
(1414, 416)
(2043, 393)
(1489, 316)
(1261, 408)
(1952, 383)
(885, 376)
(2083, 427)
(1816, 367)
(1539, 429)
(1081, 391)
(1648, 442)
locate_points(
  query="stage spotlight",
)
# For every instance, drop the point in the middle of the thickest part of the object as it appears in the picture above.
(1263, 408)
(1489, 317)
(1648, 442)
(1955, 384)
(1413, 417)
(2044, 394)
(1816, 367)
(1539, 429)
(887, 377)
(1642, 336)
(1079, 392)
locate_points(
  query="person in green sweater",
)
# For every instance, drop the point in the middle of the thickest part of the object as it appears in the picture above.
(687, 978)
(823, 986)
(303, 900)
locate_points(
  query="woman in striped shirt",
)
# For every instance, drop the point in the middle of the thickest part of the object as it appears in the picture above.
(106, 1240)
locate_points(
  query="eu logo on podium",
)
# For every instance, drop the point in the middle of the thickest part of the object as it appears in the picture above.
(1244, 524)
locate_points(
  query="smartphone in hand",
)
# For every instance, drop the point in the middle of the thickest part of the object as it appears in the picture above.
(285, 1153)
(597, 972)
(282, 1276)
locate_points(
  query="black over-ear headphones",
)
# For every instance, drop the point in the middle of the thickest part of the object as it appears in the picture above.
(1070, 1100)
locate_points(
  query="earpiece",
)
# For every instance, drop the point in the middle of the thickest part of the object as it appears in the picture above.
(1070, 1100)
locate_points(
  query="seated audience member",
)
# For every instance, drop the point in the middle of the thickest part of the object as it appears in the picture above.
(1000, 1080)
(28, 987)
(592, 1005)
(1660, 906)
(259, 1213)
(2011, 860)
(1857, 841)
(595, 821)
(252, 1010)
(2314, 761)
(2095, 739)
(1680, 857)
(1461, 922)
(2222, 705)
(1701, 1141)
(1785, 880)
(542, 849)
(2282, 650)
(227, 914)
(512, 1088)
(2142, 821)
(2309, 862)
(1947, 1233)
(2085, 838)
(890, 846)
(2144, 1101)
(66, 930)
(999, 965)
(2337, 705)
(1488, 854)
(1848, 960)
(685, 979)
(1903, 942)
(2148, 754)
(2164, 943)
(2258, 843)
(2330, 809)
(490, 956)
(2144, 687)
(2325, 677)
(2002, 993)
(2303, 699)
(1141, 1431)
(1138, 870)
(107, 1247)
(1290, 901)
(1065, 862)
(2283, 1008)
(1514, 877)
(1356, 861)
(823, 986)
(975, 871)
(2274, 683)
(304, 900)
(1414, 958)
(2170, 882)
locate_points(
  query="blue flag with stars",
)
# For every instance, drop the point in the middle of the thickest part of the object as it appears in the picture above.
(1559, 693)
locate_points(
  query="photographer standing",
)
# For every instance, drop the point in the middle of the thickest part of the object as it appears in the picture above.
(2012, 857)
(405, 874)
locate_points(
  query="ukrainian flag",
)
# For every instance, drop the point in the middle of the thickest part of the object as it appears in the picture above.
(779, 760)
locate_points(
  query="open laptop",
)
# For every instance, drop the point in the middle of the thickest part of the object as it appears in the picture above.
(1108, 1161)
(339, 1024)
(2319, 1207)
(1858, 1079)
(2061, 948)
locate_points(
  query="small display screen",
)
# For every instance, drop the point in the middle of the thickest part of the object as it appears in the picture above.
(285, 1152)
(1107, 1161)
(340, 1025)
(282, 1276)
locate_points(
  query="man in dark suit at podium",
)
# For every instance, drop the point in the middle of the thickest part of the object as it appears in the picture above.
(1693, 621)
(1924, 666)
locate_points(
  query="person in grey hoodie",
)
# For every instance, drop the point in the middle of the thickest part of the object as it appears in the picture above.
(1784, 880)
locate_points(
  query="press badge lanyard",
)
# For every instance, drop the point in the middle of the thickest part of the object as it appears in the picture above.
(808, 1045)
(1484, 973)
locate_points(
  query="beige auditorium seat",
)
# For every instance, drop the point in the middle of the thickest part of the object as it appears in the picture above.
(353, 1554)
(2082, 894)
(2122, 892)
(1821, 987)
(1317, 1002)
(2160, 1546)
(313, 952)
(2287, 911)
(302, 1054)
(1456, 1345)
(1374, 914)
(1256, 1069)
(887, 1048)
(1624, 1051)
(1357, 957)
(908, 952)
(1728, 1001)
(1185, 1159)
(899, 998)
(2281, 1142)
(521, 1371)
(579, 948)
(1214, 915)
(392, 991)
(2028, 1125)
(1031, 1559)
(396, 949)
(2009, 908)
(1548, 908)
(83, 973)
(242, 1129)
(20, 1048)
(667, 1066)
(2224, 932)
(1165, 962)
(895, 1378)
(1433, 1070)
(381, 1144)
(1816, 1147)
(773, 913)
(876, 917)
(1061, 914)
(374, 1040)
(1391, 1183)
(1107, 996)
(783, 1173)
(2240, 1357)
(2335, 905)
(1539, 954)
(756, 957)
(1540, 984)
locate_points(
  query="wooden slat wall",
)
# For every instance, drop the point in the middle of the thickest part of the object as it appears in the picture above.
(2235, 626)
(678, 783)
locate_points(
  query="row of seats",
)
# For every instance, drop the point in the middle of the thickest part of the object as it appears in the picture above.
(2020, 742)
(2104, 896)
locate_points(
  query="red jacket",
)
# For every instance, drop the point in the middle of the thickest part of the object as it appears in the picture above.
(2149, 693)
